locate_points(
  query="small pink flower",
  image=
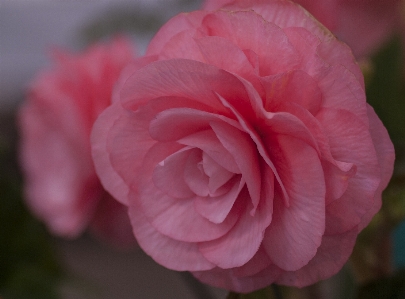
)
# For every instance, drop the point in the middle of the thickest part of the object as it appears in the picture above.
(61, 185)
(363, 24)
(243, 145)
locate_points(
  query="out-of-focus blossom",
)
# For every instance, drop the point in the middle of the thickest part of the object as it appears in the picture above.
(61, 186)
(363, 24)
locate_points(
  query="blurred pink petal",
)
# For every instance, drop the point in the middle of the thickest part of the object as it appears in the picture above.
(61, 185)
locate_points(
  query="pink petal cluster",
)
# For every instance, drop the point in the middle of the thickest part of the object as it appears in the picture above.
(55, 121)
(243, 145)
(362, 24)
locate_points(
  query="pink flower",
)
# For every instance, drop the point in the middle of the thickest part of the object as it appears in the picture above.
(61, 185)
(243, 145)
(363, 24)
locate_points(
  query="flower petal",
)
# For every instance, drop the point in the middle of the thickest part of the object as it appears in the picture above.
(256, 264)
(175, 218)
(218, 175)
(330, 258)
(128, 140)
(225, 55)
(181, 78)
(175, 255)
(208, 142)
(194, 175)
(248, 30)
(294, 86)
(242, 242)
(350, 141)
(243, 150)
(342, 90)
(385, 155)
(298, 228)
(179, 23)
(217, 208)
(109, 177)
(169, 177)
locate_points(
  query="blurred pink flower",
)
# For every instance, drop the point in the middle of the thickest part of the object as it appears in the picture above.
(362, 24)
(243, 145)
(61, 186)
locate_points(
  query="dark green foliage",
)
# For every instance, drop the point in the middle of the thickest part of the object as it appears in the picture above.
(386, 89)
(28, 267)
(388, 288)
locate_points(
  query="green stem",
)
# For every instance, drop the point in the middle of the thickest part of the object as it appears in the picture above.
(277, 291)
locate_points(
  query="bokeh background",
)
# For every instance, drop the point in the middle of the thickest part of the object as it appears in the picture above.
(34, 264)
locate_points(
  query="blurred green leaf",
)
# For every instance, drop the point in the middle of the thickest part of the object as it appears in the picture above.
(271, 292)
(29, 268)
(388, 288)
(385, 89)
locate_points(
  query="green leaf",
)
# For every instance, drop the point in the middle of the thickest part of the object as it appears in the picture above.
(271, 292)
(385, 90)
(28, 265)
(388, 288)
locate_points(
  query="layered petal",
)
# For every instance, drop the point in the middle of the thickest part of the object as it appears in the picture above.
(240, 244)
(299, 227)
(173, 254)
(331, 256)
(174, 217)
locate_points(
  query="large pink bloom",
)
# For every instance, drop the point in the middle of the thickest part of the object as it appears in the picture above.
(61, 185)
(363, 24)
(243, 145)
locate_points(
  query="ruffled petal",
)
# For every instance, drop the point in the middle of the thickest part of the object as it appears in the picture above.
(182, 45)
(385, 155)
(330, 258)
(299, 227)
(194, 175)
(168, 175)
(342, 90)
(285, 14)
(248, 30)
(175, 218)
(243, 150)
(218, 175)
(350, 141)
(181, 78)
(179, 23)
(247, 127)
(209, 143)
(256, 264)
(175, 255)
(217, 208)
(128, 140)
(296, 87)
(242, 242)
(109, 177)
(225, 55)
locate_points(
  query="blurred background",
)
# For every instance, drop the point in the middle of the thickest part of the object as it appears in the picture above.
(34, 264)
(29, 28)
